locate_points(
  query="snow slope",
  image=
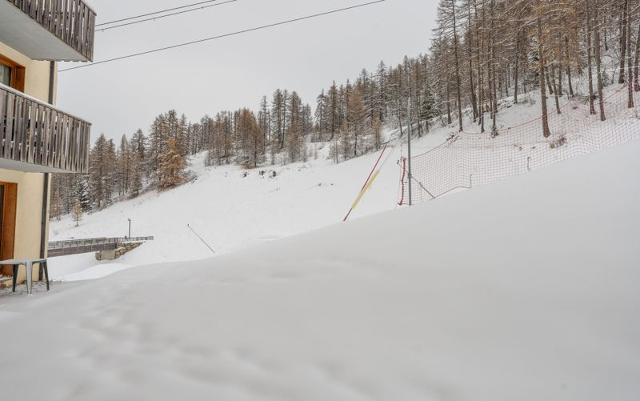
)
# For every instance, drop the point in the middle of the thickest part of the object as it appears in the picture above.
(526, 290)
(234, 212)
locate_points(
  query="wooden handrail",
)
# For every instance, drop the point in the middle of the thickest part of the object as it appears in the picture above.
(34, 132)
(36, 100)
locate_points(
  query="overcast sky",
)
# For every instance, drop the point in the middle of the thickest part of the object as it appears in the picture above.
(226, 74)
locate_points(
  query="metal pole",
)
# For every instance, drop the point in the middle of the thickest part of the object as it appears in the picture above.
(47, 177)
(44, 217)
(129, 228)
(409, 152)
(201, 239)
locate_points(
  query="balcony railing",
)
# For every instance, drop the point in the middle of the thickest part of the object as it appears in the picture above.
(71, 21)
(36, 137)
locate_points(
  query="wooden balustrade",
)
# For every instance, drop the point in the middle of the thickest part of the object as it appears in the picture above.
(71, 21)
(38, 134)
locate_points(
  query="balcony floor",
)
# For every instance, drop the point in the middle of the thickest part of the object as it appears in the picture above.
(8, 164)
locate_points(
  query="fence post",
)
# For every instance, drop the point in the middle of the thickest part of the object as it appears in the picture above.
(409, 132)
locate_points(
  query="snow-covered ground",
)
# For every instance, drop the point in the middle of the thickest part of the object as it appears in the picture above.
(525, 290)
(232, 212)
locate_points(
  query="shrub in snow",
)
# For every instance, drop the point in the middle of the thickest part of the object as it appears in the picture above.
(558, 142)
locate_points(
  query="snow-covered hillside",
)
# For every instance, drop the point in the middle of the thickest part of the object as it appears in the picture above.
(525, 290)
(233, 212)
(234, 209)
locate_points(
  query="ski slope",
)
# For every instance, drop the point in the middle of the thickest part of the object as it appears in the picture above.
(524, 290)
(233, 209)
(232, 212)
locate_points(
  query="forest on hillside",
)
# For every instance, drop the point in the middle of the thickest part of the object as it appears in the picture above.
(482, 51)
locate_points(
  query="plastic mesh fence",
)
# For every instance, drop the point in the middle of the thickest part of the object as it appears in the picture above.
(469, 159)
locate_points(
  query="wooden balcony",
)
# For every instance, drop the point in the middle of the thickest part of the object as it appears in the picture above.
(36, 137)
(58, 30)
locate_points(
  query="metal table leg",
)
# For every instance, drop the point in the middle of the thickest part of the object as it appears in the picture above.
(29, 267)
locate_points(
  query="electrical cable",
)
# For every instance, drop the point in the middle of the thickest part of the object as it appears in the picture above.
(164, 16)
(226, 35)
(166, 10)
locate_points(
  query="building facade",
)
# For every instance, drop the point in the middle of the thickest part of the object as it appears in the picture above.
(36, 138)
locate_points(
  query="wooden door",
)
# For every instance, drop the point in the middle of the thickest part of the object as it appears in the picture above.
(8, 205)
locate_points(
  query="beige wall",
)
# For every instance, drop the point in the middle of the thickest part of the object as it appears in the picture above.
(28, 213)
(36, 80)
(30, 185)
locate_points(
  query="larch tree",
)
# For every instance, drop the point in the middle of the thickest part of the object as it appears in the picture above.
(448, 23)
(172, 165)
(481, 53)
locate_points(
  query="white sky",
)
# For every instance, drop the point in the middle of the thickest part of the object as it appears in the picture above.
(226, 74)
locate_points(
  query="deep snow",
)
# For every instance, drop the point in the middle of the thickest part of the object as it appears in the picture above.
(525, 290)
(235, 212)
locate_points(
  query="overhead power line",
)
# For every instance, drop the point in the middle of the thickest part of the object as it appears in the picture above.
(166, 10)
(108, 28)
(226, 35)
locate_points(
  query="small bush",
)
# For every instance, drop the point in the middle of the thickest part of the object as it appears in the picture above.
(558, 142)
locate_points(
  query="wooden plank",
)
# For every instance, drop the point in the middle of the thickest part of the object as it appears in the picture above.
(53, 134)
(55, 12)
(38, 132)
(46, 136)
(3, 121)
(27, 144)
(17, 128)
(9, 125)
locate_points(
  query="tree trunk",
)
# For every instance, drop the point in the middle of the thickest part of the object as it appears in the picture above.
(449, 120)
(606, 36)
(517, 65)
(456, 51)
(623, 40)
(569, 79)
(558, 68)
(472, 87)
(592, 106)
(480, 63)
(507, 80)
(546, 132)
(599, 63)
(400, 116)
(556, 93)
(630, 103)
(636, 67)
(566, 41)
(548, 80)
(492, 54)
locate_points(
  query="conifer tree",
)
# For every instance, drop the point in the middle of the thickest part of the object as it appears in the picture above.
(123, 166)
(357, 123)
(251, 138)
(172, 165)
(77, 213)
(482, 52)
